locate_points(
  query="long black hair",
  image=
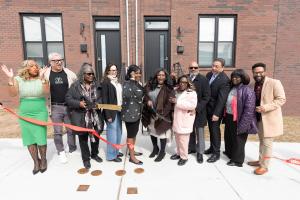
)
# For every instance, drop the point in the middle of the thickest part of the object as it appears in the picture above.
(153, 81)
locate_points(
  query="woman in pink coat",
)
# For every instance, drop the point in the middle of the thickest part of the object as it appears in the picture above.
(184, 116)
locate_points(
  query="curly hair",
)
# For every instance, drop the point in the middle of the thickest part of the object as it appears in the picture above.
(153, 81)
(24, 71)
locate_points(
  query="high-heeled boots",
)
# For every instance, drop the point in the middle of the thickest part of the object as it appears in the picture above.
(35, 157)
(43, 151)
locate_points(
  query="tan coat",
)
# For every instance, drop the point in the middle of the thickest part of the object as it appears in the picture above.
(272, 98)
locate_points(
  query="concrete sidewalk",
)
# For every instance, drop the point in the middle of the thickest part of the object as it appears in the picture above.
(160, 181)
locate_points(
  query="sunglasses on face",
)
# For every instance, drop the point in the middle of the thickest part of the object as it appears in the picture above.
(89, 74)
(193, 67)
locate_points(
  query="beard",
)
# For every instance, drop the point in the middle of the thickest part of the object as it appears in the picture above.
(259, 79)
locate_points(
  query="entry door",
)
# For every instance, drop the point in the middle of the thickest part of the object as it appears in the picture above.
(157, 48)
(108, 46)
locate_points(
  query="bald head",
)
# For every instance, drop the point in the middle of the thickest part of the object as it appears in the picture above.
(194, 68)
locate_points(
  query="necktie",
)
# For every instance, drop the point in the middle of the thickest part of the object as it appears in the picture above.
(212, 79)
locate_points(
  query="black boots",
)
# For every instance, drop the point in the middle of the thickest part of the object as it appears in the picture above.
(154, 152)
(43, 151)
(160, 156)
(33, 150)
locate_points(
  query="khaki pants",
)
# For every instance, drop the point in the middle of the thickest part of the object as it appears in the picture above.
(265, 147)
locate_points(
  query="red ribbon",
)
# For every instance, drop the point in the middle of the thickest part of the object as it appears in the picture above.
(294, 161)
(72, 127)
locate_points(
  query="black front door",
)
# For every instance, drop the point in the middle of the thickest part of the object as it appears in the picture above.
(157, 48)
(108, 45)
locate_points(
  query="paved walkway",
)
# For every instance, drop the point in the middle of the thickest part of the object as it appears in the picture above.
(160, 181)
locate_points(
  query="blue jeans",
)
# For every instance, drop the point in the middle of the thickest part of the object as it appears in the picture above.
(113, 135)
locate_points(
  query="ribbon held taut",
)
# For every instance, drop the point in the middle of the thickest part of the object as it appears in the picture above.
(72, 127)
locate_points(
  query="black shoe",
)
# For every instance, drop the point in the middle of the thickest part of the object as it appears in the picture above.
(175, 157)
(87, 164)
(97, 158)
(191, 151)
(36, 168)
(160, 156)
(120, 154)
(117, 159)
(208, 151)
(213, 158)
(154, 152)
(181, 162)
(43, 166)
(231, 163)
(199, 158)
(136, 153)
(138, 163)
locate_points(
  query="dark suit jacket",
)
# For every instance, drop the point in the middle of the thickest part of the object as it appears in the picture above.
(219, 88)
(203, 94)
(109, 96)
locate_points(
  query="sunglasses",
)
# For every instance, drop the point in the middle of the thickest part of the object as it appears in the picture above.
(193, 67)
(89, 74)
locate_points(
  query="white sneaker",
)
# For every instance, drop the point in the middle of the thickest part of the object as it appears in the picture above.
(62, 157)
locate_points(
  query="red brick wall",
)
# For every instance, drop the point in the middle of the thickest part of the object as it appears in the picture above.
(266, 32)
(287, 62)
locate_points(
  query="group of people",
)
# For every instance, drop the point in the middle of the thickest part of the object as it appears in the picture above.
(166, 106)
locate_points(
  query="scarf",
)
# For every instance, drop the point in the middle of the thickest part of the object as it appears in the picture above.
(113, 79)
(91, 116)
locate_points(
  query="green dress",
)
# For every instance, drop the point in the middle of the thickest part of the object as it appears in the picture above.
(32, 105)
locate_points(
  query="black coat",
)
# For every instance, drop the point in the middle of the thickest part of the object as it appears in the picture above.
(219, 88)
(132, 105)
(76, 113)
(203, 94)
(109, 96)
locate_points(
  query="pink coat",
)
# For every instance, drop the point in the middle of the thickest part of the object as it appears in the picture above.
(183, 120)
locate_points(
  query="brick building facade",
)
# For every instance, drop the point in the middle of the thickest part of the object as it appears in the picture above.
(263, 31)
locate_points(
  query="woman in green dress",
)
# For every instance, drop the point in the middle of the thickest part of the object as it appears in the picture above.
(31, 89)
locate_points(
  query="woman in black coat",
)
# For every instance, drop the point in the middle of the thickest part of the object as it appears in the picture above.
(82, 98)
(132, 106)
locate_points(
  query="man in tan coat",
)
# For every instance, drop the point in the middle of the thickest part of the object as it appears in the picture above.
(270, 97)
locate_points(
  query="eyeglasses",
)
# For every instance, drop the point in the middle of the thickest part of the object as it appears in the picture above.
(258, 73)
(89, 74)
(193, 67)
(57, 61)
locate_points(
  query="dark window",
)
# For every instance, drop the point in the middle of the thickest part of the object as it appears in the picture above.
(42, 35)
(216, 39)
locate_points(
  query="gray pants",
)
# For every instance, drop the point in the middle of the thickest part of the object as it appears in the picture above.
(59, 115)
(197, 140)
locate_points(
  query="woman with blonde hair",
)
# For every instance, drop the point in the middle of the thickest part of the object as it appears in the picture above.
(31, 89)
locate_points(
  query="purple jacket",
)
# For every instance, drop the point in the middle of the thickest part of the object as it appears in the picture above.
(246, 121)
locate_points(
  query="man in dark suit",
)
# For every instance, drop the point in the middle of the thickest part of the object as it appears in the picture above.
(219, 85)
(203, 94)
